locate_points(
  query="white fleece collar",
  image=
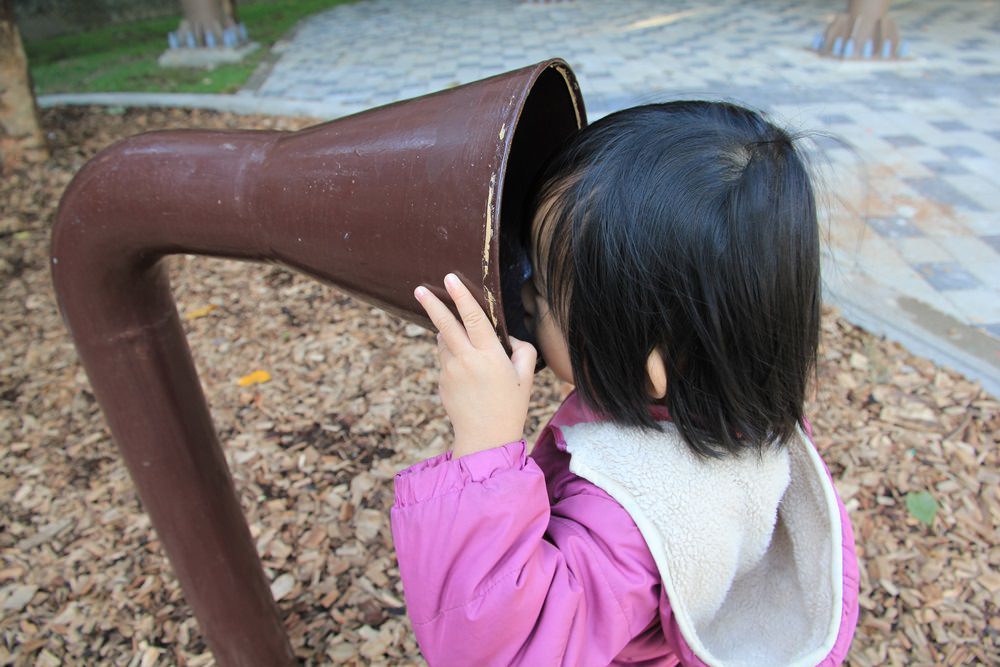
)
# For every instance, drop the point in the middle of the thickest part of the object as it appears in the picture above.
(748, 548)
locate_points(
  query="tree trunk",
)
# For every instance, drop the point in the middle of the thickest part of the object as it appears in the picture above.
(20, 132)
(208, 24)
(863, 31)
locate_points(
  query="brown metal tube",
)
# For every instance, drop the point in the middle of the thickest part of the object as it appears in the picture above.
(374, 204)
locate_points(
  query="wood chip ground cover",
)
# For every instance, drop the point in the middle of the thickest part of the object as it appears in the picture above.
(349, 398)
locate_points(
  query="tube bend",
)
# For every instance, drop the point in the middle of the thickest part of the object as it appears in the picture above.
(137, 201)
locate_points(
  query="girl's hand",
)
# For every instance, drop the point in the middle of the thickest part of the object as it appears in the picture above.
(485, 394)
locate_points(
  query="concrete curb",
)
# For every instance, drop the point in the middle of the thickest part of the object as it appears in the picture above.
(239, 103)
(918, 327)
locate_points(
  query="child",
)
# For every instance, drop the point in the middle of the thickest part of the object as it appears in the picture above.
(673, 510)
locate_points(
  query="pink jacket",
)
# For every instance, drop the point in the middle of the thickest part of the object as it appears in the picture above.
(510, 559)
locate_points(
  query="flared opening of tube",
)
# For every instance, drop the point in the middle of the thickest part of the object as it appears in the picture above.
(551, 113)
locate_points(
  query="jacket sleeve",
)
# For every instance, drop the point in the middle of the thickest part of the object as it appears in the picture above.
(493, 575)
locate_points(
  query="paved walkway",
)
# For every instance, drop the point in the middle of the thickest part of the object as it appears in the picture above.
(908, 158)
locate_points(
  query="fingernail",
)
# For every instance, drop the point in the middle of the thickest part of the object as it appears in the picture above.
(420, 292)
(451, 279)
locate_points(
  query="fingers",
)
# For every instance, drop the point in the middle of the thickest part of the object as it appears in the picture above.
(475, 328)
(477, 324)
(451, 330)
(523, 358)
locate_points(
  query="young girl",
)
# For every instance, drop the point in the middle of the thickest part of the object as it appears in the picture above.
(674, 509)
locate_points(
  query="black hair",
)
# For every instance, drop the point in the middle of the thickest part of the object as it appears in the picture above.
(688, 227)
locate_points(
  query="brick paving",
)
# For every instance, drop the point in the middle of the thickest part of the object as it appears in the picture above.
(906, 152)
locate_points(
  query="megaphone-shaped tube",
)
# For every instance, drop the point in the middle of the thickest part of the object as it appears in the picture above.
(374, 204)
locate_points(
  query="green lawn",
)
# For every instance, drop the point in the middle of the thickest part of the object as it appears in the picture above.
(123, 57)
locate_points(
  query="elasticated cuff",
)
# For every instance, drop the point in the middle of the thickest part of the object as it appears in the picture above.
(443, 474)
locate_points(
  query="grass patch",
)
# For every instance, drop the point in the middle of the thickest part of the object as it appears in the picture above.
(122, 57)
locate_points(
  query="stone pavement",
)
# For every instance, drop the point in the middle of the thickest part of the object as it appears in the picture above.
(906, 153)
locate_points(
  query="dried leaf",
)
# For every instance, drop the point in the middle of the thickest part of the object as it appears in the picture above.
(199, 312)
(257, 377)
(282, 586)
(16, 597)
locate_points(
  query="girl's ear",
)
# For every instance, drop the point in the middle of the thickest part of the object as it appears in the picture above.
(656, 371)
